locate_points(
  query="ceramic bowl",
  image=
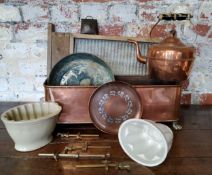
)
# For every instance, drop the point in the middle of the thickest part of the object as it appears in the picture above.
(144, 141)
(31, 125)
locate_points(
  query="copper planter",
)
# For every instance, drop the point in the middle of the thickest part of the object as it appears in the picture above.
(160, 102)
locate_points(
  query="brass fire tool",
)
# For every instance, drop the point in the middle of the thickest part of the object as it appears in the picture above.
(106, 164)
(56, 156)
(84, 147)
(77, 136)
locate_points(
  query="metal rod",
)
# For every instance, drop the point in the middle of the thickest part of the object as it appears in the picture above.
(98, 147)
(84, 147)
(78, 135)
(75, 156)
(91, 166)
(120, 166)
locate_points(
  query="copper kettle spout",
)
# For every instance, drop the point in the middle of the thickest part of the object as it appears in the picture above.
(139, 57)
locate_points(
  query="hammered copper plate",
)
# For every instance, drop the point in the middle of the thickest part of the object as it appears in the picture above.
(113, 103)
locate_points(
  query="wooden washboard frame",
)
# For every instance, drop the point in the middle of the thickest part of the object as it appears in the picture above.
(63, 44)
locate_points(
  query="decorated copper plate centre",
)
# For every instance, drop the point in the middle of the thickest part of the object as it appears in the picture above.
(113, 103)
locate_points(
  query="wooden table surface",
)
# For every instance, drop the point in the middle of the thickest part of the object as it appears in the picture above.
(191, 152)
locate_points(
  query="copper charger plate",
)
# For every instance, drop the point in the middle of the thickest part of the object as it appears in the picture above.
(113, 103)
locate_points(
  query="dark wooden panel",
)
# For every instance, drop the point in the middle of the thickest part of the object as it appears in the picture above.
(65, 167)
(184, 166)
(186, 143)
(179, 166)
(196, 117)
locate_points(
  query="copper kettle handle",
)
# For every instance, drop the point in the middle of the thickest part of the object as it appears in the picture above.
(140, 58)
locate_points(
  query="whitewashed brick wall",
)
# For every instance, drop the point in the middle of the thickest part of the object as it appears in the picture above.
(23, 38)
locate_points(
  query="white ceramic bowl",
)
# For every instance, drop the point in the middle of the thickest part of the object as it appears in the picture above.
(144, 141)
(31, 125)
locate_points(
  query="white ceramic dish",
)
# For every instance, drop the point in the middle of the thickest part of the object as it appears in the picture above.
(144, 141)
(31, 125)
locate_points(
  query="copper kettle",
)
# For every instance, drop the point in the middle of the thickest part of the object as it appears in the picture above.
(170, 60)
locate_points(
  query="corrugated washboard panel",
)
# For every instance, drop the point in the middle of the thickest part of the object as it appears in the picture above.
(119, 55)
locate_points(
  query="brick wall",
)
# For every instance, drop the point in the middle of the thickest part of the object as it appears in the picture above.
(23, 38)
